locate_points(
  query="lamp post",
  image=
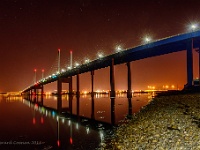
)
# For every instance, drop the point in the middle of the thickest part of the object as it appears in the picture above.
(35, 70)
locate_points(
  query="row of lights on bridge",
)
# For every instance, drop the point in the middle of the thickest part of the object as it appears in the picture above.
(146, 40)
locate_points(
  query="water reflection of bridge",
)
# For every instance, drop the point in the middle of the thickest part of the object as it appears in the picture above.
(91, 108)
(38, 100)
(73, 122)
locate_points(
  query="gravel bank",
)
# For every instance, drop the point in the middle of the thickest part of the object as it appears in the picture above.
(166, 123)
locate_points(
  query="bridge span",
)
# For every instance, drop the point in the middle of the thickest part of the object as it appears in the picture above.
(187, 41)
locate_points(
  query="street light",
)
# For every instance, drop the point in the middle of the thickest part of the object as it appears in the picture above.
(69, 68)
(87, 60)
(118, 48)
(76, 64)
(147, 39)
(193, 27)
(100, 55)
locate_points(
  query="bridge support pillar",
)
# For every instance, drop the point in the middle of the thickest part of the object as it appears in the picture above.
(92, 94)
(31, 94)
(112, 80)
(92, 83)
(190, 63)
(129, 93)
(35, 91)
(77, 86)
(59, 92)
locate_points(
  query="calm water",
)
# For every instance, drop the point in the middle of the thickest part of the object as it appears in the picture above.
(28, 125)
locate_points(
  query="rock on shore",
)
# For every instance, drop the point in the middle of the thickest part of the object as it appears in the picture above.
(166, 123)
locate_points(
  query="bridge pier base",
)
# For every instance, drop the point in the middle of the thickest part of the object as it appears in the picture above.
(129, 92)
(190, 63)
(112, 80)
(36, 93)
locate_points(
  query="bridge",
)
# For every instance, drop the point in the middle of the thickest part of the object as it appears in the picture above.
(188, 41)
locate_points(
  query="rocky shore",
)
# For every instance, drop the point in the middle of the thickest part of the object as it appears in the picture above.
(166, 123)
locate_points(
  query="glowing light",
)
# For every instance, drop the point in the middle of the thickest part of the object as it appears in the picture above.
(69, 122)
(58, 143)
(63, 120)
(69, 68)
(85, 92)
(77, 126)
(193, 26)
(147, 39)
(87, 60)
(100, 55)
(101, 135)
(53, 113)
(42, 120)
(118, 48)
(98, 91)
(63, 70)
(34, 120)
(71, 140)
(87, 130)
(76, 64)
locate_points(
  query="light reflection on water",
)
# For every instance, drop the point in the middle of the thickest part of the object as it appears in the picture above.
(45, 128)
(102, 105)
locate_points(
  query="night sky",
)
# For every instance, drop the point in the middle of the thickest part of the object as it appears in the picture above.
(31, 31)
